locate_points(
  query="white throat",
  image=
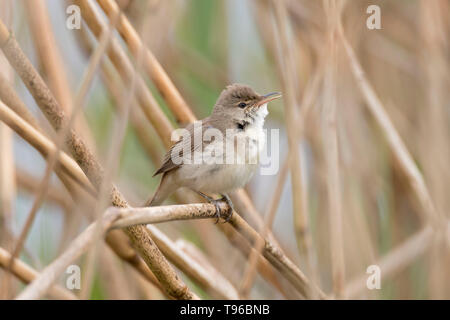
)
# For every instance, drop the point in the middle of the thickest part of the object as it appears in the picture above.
(255, 130)
(259, 117)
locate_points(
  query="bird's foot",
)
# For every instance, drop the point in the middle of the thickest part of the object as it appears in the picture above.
(230, 210)
(226, 215)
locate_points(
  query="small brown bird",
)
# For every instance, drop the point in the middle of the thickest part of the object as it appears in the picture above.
(202, 160)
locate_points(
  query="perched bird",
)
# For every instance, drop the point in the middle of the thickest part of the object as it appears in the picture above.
(219, 153)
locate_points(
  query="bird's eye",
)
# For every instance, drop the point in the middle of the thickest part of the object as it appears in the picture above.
(242, 105)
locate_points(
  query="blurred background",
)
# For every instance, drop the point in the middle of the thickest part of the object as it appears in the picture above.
(357, 202)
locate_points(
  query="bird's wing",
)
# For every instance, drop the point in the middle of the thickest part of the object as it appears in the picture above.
(192, 144)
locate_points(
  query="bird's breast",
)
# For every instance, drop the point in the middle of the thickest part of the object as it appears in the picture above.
(232, 170)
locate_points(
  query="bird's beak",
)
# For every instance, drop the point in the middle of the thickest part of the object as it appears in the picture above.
(268, 97)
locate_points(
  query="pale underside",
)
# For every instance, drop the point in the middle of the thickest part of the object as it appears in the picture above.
(216, 173)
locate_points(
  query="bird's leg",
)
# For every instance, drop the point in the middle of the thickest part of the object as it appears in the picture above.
(230, 210)
(215, 202)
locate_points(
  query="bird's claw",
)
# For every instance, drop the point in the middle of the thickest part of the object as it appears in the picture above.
(229, 213)
(218, 211)
(226, 215)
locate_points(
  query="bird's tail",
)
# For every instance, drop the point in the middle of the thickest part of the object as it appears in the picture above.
(164, 190)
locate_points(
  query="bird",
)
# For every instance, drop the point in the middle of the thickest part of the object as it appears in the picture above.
(219, 153)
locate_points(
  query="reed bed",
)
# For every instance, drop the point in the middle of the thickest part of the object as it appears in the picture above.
(364, 149)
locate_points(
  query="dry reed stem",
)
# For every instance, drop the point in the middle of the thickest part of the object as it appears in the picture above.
(307, 102)
(111, 79)
(8, 188)
(116, 240)
(396, 144)
(250, 272)
(116, 142)
(52, 62)
(203, 259)
(264, 267)
(160, 78)
(201, 211)
(398, 258)
(286, 62)
(74, 110)
(7, 185)
(245, 206)
(332, 155)
(434, 125)
(43, 145)
(44, 97)
(27, 254)
(27, 274)
(203, 274)
(115, 278)
(275, 255)
(119, 242)
(120, 60)
(78, 246)
(55, 194)
(38, 200)
(263, 13)
(150, 215)
(45, 100)
(310, 93)
(80, 99)
(277, 258)
(182, 56)
(9, 97)
(145, 133)
(47, 50)
(132, 216)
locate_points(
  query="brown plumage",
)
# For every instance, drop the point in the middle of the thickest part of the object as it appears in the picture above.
(229, 98)
(239, 109)
(168, 164)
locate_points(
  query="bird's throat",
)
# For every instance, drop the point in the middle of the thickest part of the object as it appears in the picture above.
(256, 119)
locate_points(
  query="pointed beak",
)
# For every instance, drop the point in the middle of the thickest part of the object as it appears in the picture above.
(268, 97)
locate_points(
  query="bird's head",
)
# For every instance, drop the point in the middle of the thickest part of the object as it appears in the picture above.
(239, 102)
